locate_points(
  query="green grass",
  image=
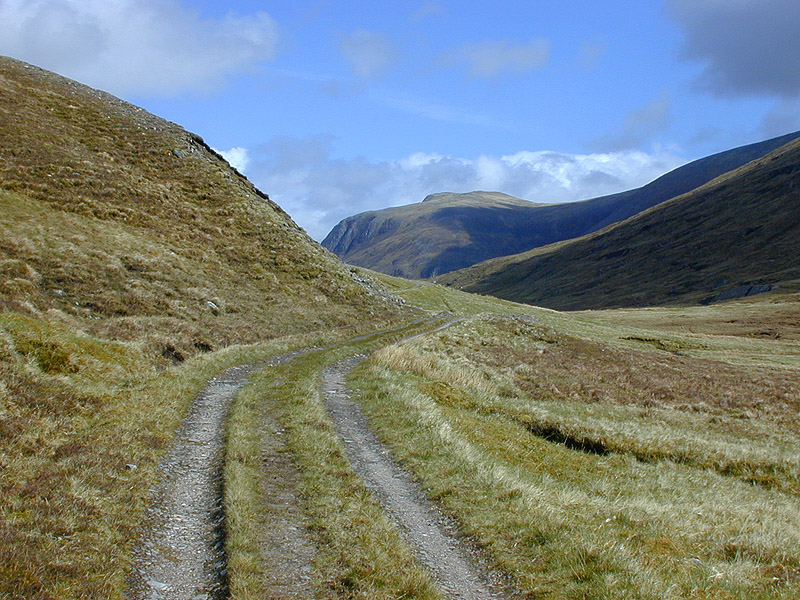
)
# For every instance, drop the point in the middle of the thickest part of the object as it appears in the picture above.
(590, 464)
(360, 554)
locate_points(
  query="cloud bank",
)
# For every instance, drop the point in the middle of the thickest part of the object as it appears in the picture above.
(319, 190)
(492, 58)
(140, 47)
(748, 47)
(369, 53)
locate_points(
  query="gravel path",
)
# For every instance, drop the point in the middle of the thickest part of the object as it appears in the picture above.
(457, 568)
(181, 553)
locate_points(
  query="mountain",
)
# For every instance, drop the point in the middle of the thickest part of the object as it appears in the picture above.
(444, 232)
(735, 236)
(133, 227)
(449, 231)
(135, 265)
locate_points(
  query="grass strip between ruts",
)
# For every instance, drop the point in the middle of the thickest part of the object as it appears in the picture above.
(360, 553)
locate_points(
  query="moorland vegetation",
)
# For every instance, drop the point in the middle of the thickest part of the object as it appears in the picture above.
(629, 453)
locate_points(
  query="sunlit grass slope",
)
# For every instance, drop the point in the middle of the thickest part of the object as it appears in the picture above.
(448, 231)
(135, 263)
(739, 230)
(112, 215)
(618, 454)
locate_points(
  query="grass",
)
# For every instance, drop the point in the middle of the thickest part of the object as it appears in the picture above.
(135, 229)
(84, 423)
(604, 466)
(360, 554)
(589, 454)
(739, 229)
(135, 263)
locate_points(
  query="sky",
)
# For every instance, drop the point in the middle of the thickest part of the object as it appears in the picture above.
(335, 108)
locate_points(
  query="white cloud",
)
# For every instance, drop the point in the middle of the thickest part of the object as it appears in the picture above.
(369, 53)
(492, 58)
(592, 52)
(638, 126)
(436, 111)
(318, 190)
(748, 47)
(237, 157)
(141, 47)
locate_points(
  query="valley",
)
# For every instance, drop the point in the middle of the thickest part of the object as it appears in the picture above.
(615, 452)
(447, 232)
(731, 237)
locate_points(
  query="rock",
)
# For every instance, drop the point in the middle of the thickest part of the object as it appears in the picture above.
(740, 291)
(157, 585)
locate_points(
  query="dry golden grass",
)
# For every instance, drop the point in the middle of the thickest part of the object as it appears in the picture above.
(134, 265)
(590, 454)
(111, 214)
(83, 424)
(601, 455)
(360, 554)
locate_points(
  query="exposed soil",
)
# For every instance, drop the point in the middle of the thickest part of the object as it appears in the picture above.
(459, 570)
(181, 553)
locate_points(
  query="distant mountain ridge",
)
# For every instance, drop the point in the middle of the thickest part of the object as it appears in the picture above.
(447, 232)
(735, 236)
(434, 236)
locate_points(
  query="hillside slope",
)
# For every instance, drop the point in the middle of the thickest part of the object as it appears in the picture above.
(444, 232)
(737, 235)
(115, 217)
(135, 265)
(451, 231)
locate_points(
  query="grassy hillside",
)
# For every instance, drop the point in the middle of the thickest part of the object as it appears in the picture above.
(135, 263)
(112, 215)
(616, 454)
(444, 232)
(735, 235)
(447, 231)
(643, 454)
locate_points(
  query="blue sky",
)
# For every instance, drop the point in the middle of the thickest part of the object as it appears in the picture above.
(333, 108)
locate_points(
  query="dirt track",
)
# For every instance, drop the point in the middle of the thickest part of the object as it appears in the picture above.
(181, 553)
(431, 535)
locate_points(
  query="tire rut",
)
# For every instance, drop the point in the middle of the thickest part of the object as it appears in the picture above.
(458, 569)
(181, 552)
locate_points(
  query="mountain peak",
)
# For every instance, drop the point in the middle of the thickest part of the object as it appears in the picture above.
(449, 231)
(471, 197)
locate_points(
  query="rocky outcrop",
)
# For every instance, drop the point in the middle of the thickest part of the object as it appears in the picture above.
(740, 291)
